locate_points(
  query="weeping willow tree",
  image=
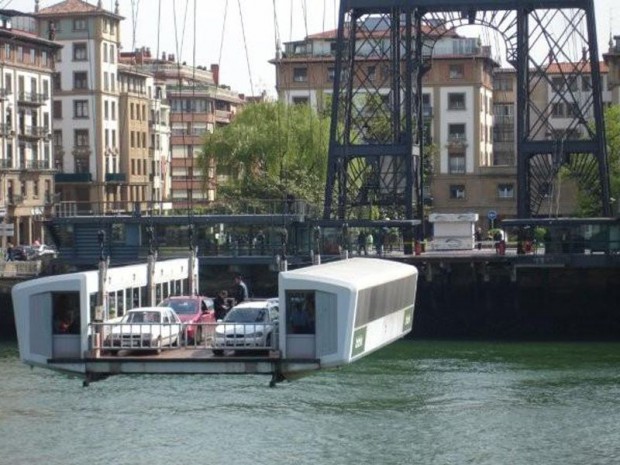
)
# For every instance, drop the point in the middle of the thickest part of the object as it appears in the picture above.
(270, 151)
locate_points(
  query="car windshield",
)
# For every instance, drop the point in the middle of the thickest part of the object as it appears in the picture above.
(181, 306)
(245, 315)
(142, 317)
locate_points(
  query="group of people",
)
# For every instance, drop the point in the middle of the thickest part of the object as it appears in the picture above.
(224, 300)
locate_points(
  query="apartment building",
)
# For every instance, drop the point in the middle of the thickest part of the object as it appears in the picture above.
(457, 97)
(26, 165)
(469, 106)
(612, 60)
(86, 143)
(198, 104)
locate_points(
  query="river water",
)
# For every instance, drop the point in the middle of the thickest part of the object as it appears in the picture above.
(415, 402)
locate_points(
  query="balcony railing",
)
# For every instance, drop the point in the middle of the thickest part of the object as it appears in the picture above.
(457, 138)
(73, 177)
(33, 131)
(6, 163)
(4, 93)
(81, 150)
(38, 164)
(115, 177)
(6, 130)
(13, 199)
(32, 98)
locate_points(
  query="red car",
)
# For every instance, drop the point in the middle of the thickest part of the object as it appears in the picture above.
(192, 309)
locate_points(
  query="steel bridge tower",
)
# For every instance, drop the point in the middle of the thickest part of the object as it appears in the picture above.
(377, 140)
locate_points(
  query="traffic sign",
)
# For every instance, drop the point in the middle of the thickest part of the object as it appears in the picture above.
(492, 214)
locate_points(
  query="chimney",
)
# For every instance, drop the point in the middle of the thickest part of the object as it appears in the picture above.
(215, 70)
(171, 57)
(584, 54)
(550, 56)
(163, 56)
(148, 52)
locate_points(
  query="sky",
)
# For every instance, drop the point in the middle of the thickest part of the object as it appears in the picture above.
(249, 29)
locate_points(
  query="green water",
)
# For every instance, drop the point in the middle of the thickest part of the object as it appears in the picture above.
(415, 402)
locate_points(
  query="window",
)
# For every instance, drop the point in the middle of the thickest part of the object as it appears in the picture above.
(112, 59)
(300, 74)
(457, 71)
(456, 133)
(456, 163)
(80, 108)
(331, 73)
(106, 83)
(106, 110)
(79, 24)
(8, 84)
(502, 83)
(372, 73)
(57, 139)
(456, 101)
(457, 191)
(113, 111)
(80, 80)
(505, 191)
(301, 100)
(105, 53)
(56, 82)
(57, 109)
(586, 83)
(81, 137)
(79, 52)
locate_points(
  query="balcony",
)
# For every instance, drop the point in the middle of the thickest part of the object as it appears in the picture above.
(15, 199)
(115, 178)
(41, 165)
(65, 178)
(51, 199)
(4, 93)
(457, 139)
(6, 130)
(6, 164)
(31, 98)
(33, 132)
(81, 150)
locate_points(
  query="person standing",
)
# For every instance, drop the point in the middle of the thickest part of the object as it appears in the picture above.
(220, 304)
(240, 290)
(9, 252)
(478, 238)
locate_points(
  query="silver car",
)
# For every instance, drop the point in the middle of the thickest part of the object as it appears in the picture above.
(249, 325)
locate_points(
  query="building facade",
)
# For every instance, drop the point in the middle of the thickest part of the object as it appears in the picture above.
(198, 104)
(26, 164)
(86, 136)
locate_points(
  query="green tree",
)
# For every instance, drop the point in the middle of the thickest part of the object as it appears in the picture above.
(270, 151)
(589, 203)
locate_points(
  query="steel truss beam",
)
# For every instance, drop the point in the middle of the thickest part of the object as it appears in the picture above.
(377, 139)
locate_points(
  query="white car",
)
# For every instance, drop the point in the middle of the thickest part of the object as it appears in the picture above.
(247, 325)
(144, 328)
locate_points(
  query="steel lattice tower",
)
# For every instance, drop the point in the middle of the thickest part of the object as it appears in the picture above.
(376, 153)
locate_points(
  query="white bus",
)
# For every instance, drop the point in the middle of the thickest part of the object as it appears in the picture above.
(340, 311)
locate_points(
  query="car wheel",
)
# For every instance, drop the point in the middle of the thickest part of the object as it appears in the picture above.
(218, 352)
(158, 345)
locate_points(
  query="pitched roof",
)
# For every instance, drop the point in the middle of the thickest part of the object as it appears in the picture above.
(72, 7)
(569, 68)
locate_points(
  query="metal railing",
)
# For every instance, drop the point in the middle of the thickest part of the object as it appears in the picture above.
(114, 336)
